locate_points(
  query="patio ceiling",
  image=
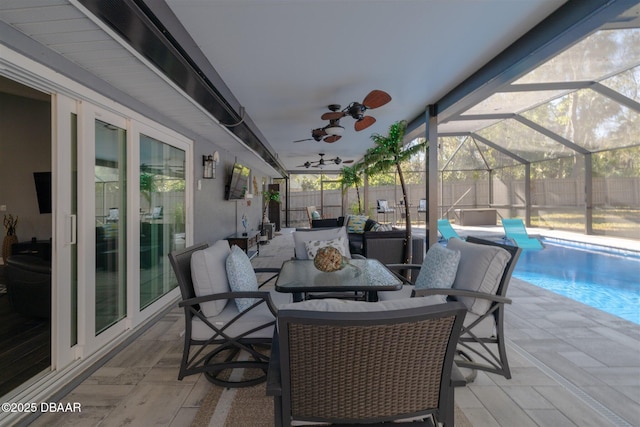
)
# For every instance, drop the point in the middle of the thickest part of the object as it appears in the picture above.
(284, 62)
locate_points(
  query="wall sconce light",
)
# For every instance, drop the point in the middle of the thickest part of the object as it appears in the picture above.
(209, 164)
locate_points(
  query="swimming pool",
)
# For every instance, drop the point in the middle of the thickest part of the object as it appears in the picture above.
(607, 279)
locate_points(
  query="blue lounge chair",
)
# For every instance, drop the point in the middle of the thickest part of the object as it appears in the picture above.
(447, 231)
(515, 231)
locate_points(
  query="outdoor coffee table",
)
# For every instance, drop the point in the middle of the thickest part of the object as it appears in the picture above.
(300, 277)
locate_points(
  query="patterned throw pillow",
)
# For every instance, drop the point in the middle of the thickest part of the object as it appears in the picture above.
(385, 227)
(439, 268)
(313, 246)
(241, 276)
(356, 223)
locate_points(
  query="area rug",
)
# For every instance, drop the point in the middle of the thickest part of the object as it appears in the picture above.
(251, 407)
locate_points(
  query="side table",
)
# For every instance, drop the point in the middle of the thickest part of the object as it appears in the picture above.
(248, 243)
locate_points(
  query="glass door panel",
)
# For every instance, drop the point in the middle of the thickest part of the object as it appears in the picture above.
(111, 225)
(162, 215)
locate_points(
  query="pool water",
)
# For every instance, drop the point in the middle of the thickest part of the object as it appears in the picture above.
(606, 279)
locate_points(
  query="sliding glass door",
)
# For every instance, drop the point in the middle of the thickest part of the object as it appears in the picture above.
(162, 215)
(111, 224)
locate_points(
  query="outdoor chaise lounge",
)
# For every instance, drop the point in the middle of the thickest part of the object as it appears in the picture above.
(515, 231)
(446, 230)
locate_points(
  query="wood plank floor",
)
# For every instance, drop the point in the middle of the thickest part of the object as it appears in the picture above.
(572, 365)
(25, 346)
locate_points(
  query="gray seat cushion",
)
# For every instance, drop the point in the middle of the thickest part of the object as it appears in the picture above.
(251, 319)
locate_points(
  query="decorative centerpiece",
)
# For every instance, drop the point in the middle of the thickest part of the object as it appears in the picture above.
(10, 224)
(329, 259)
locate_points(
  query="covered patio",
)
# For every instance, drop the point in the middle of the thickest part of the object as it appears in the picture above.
(572, 365)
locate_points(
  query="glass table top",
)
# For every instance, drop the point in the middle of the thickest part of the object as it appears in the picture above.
(357, 275)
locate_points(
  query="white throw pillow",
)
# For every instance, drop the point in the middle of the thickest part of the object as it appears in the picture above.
(242, 277)
(480, 269)
(313, 246)
(439, 268)
(209, 275)
(300, 237)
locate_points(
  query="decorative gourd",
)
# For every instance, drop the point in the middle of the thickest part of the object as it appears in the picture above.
(329, 259)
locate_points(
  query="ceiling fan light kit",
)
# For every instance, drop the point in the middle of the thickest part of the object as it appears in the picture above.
(334, 129)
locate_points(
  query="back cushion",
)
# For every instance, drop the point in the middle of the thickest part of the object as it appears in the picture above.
(439, 268)
(300, 237)
(480, 269)
(209, 275)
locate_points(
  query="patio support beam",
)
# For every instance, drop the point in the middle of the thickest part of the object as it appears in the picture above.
(527, 194)
(499, 148)
(431, 134)
(549, 134)
(588, 193)
(569, 23)
(617, 97)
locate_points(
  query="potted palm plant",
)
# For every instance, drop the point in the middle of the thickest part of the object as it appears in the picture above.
(389, 152)
(268, 197)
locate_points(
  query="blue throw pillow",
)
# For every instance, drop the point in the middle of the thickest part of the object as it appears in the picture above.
(315, 215)
(241, 277)
(439, 268)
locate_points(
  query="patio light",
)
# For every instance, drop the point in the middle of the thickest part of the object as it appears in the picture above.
(209, 164)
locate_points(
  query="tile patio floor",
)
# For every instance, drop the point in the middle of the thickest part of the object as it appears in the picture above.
(572, 365)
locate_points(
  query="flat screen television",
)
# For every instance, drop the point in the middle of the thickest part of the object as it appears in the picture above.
(238, 182)
(43, 190)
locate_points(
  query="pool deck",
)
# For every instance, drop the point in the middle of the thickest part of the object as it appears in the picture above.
(572, 365)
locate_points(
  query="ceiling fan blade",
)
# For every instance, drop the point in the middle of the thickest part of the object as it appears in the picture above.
(303, 140)
(348, 161)
(376, 98)
(364, 123)
(337, 115)
(332, 138)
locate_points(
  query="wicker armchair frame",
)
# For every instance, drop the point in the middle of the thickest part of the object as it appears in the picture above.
(366, 367)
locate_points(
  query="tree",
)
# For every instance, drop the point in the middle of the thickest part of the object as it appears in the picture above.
(351, 176)
(387, 153)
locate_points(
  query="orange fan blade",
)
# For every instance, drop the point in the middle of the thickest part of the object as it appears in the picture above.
(364, 123)
(348, 161)
(332, 138)
(376, 98)
(334, 115)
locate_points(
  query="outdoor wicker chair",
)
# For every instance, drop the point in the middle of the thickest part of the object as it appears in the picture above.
(481, 282)
(346, 362)
(216, 331)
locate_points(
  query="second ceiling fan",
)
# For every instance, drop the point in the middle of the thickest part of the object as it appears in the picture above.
(322, 162)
